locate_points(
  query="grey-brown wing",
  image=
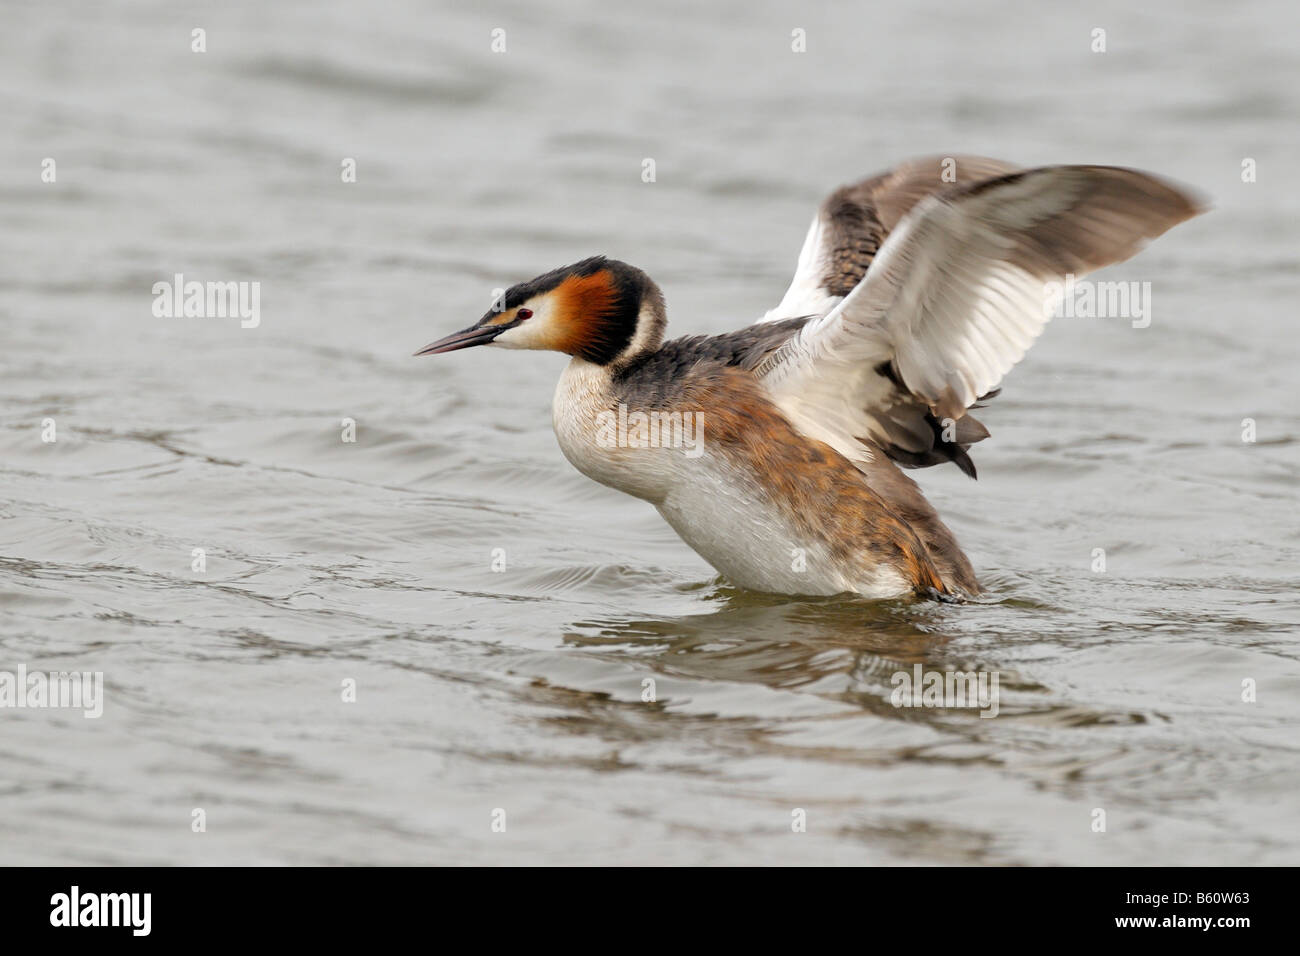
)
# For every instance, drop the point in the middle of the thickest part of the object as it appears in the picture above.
(955, 297)
(855, 220)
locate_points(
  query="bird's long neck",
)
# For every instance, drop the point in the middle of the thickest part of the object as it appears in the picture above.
(648, 334)
(619, 337)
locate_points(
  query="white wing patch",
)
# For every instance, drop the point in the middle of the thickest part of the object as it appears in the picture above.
(954, 298)
(806, 295)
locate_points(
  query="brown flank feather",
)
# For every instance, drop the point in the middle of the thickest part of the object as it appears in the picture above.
(820, 490)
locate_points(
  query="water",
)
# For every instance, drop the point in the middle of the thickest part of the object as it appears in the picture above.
(329, 561)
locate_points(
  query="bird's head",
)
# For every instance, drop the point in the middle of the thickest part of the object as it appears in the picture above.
(600, 310)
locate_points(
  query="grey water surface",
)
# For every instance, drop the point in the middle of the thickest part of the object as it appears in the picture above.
(498, 613)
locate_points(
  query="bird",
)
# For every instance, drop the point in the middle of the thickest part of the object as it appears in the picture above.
(777, 451)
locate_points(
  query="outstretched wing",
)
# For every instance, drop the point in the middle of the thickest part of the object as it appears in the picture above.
(854, 221)
(952, 300)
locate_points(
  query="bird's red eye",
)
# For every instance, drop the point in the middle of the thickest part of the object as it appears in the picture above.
(524, 314)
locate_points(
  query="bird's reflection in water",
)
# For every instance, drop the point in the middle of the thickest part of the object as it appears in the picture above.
(839, 648)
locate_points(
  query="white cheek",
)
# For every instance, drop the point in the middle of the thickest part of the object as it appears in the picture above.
(525, 336)
(532, 333)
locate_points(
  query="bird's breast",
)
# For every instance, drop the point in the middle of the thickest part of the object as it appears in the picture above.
(641, 451)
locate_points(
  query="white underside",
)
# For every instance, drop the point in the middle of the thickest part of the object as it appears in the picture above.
(752, 544)
(716, 508)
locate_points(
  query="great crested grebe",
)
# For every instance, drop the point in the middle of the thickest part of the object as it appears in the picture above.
(916, 291)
